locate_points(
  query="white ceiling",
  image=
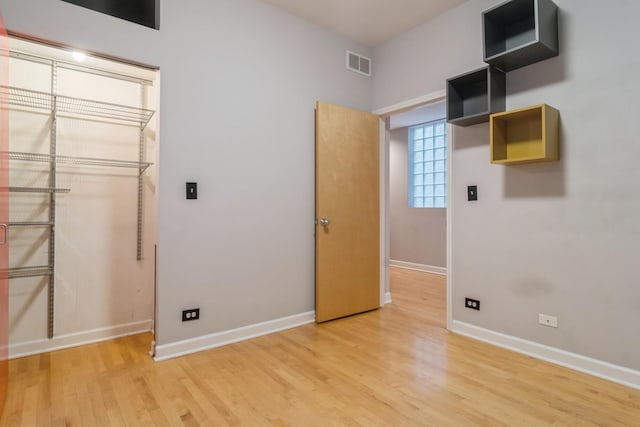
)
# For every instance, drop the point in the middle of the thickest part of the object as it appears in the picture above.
(369, 22)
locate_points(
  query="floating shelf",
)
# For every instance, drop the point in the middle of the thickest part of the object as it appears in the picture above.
(525, 135)
(89, 161)
(18, 272)
(76, 106)
(473, 96)
(517, 33)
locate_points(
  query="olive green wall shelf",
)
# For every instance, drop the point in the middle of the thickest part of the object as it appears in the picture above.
(525, 135)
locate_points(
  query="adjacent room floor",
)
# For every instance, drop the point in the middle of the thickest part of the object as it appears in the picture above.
(397, 366)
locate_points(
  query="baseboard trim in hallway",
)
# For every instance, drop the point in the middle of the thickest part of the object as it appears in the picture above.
(420, 267)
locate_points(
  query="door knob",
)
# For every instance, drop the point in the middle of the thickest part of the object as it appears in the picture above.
(324, 222)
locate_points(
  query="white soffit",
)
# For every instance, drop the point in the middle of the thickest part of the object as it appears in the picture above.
(422, 114)
(369, 22)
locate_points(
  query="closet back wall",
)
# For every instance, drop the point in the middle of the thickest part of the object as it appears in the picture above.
(239, 84)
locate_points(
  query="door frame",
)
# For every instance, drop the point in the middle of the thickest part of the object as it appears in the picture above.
(385, 113)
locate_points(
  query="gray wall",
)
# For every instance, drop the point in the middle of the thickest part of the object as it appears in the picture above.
(561, 238)
(417, 235)
(239, 80)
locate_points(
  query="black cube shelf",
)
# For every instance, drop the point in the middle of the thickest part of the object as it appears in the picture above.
(473, 96)
(517, 33)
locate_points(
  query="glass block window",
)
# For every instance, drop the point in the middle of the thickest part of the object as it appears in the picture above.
(428, 165)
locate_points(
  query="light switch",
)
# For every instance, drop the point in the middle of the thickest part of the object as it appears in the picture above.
(472, 193)
(192, 190)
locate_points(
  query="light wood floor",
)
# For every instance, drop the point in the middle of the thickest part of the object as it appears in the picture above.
(396, 366)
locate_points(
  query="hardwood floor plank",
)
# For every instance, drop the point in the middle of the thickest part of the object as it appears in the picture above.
(396, 366)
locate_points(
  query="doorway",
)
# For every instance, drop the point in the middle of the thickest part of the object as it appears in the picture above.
(83, 189)
(418, 234)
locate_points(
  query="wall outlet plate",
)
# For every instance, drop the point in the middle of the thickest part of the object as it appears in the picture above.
(190, 314)
(546, 320)
(473, 304)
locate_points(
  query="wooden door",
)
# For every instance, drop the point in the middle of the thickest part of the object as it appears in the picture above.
(4, 215)
(347, 211)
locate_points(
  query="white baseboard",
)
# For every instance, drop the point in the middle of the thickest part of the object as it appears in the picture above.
(218, 339)
(420, 267)
(78, 338)
(597, 368)
(387, 298)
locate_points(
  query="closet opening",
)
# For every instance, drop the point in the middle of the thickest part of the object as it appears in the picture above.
(83, 174)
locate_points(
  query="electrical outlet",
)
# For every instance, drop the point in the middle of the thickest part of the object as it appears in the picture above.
(473, 304)
(190, 314)
(546, 320)
(472, 193)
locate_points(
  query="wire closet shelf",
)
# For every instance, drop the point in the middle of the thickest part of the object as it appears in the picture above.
(34, 190)
(75, 106)
(19, 272)
(88, 161)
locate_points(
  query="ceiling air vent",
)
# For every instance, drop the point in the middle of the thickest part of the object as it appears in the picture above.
(358, 63)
